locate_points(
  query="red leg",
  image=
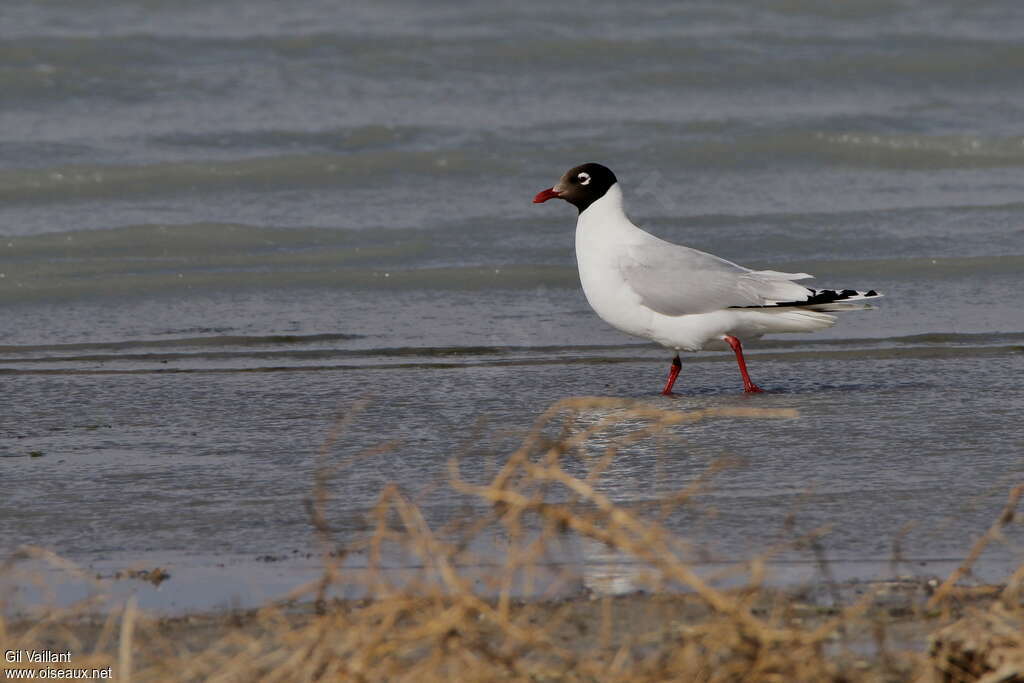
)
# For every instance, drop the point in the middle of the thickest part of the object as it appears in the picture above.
(672, 374)
(748, 386)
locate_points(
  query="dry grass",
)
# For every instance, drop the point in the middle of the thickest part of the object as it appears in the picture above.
(446, 621)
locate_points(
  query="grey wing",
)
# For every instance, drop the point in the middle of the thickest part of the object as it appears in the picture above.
(675, 280)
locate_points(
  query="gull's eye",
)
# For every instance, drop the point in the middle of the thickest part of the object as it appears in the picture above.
(584, 178)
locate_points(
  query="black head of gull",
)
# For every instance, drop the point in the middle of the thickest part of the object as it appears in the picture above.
(581, 186)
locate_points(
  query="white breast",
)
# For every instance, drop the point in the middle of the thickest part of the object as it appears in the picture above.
(607, 245)
(602, 232)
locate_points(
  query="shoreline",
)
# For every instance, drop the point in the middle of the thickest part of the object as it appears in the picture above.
(875, 631)
(170, 585)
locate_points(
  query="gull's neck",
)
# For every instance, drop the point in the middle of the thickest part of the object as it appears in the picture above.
(606, 211)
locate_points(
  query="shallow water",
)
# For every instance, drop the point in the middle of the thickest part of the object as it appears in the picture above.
(222, 223)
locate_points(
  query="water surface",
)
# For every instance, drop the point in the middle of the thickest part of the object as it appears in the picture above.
(223, 223)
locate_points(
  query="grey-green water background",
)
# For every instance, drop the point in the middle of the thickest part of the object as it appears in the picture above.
(221, 222)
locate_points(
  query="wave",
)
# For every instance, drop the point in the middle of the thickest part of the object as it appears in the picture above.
(852, 51)
(212, 341)
(923, 151)
(204, 244)
(374, 157)
(142, 67)
(860, 149)
(60, 283)
(217, 342)
(245, 342)
(916, 268)
(360, 168)
(341, 139)
(297, 347)
(161, 259)
(62, 286)
(953, 347)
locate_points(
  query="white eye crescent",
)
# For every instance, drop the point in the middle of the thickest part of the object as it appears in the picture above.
(584, 178)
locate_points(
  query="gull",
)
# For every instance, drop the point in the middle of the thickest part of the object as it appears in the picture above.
(678, 297)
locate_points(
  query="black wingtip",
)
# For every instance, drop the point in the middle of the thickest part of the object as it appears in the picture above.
(819, 297)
